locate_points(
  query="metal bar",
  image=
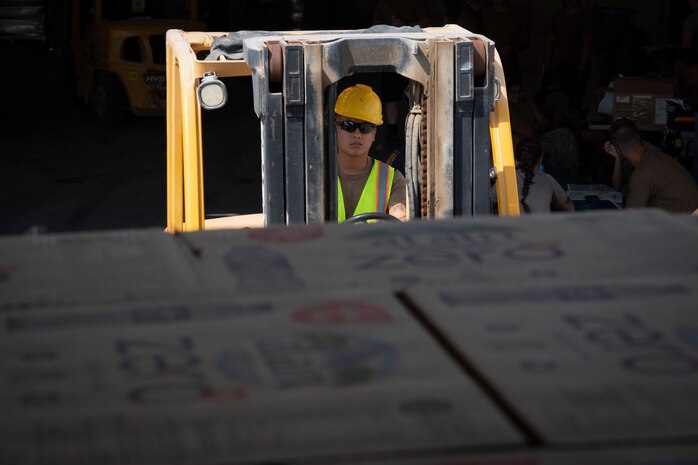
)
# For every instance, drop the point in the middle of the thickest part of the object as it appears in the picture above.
(191, 136)
(502, 148)
(463, 166)
(331, 207)
(193, 159)
(294, 147)
(442, 131)
(482, 153)
(463, 184)
(273, 192)
(175, 181)
(314, 136)
(411, 168)
(353, 54)
(269, 108)
(233, 68)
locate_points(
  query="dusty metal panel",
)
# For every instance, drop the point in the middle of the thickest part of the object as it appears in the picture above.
(442, 131)
(269, 109)
(482, 153)
(349, 55)
(482, 146)
(412, 169)
(314, 135)
(273, 198)
(294, 144)
(463, 130)
(458, 150)
(331, 175)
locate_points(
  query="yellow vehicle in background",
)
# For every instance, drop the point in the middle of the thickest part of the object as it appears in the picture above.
(457, 134)
(116, 53)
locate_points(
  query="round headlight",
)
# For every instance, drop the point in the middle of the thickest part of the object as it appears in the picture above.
(212, 92)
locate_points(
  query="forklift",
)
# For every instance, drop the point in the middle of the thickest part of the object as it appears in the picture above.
(115, 53)
(458, 148)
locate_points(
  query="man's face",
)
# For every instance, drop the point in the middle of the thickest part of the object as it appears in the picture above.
(354, 143)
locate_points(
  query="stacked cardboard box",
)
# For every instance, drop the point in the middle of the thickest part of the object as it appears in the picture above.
(239, 380)
(609, 361)
(637, 99)
(540, 339)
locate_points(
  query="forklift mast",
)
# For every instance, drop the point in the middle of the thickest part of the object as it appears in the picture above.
(457, 132)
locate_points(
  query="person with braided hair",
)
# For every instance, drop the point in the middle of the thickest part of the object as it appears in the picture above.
(538, 192)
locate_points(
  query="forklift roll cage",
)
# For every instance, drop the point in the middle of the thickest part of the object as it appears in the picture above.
(457, 85)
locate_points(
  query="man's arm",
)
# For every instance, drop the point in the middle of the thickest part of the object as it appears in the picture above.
(617, 176)
(399, 211)
(567, 206)
(397, 203)
(639, 191)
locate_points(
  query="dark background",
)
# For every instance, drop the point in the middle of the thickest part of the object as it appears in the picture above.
(62, 170)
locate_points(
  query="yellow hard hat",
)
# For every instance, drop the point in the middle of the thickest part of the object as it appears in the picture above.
(360, 102)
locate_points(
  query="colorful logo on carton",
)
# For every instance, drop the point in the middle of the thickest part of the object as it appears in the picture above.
(308, 360)
(258, 268)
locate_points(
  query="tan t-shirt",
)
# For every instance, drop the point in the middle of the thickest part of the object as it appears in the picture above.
(543, 193)
(353, 186)
(659, 181)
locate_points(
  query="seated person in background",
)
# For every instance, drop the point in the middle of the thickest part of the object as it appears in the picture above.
(657, 179)
(538, 192)
(527, 121)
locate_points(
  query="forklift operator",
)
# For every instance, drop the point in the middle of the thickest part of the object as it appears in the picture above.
(364, 185)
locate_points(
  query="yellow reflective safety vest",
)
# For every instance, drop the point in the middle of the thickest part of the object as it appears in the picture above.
(375, 195)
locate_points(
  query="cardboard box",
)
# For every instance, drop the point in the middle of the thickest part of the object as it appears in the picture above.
(581, 361)
(636, 98)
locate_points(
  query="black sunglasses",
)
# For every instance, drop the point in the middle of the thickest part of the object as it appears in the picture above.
(350, 126)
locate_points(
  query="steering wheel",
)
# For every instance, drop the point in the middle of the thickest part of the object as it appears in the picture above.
(368, 216)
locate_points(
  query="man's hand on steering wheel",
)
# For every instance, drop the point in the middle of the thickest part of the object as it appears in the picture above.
(368, 216)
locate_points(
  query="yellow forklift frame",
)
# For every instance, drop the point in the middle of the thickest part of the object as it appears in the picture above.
(185, 184)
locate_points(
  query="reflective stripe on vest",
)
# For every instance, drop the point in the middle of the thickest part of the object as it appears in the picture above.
(374, 196)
